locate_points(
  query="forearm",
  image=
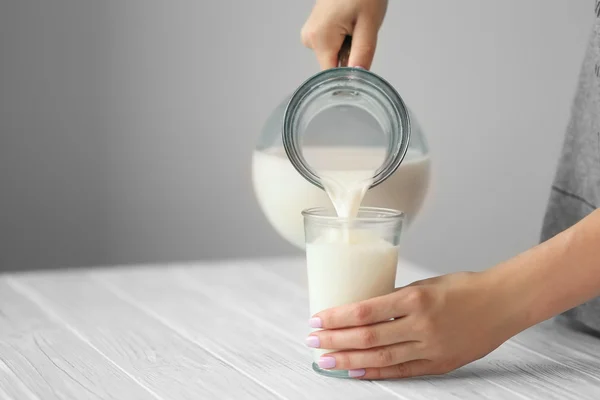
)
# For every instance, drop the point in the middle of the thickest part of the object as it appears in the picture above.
(552, 277)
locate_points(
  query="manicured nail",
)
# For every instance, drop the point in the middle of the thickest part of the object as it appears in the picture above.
(356, 373)
(326, 362)
(313, 341)
(315, 322)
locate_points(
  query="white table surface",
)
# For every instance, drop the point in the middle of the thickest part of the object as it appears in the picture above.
(232, 330)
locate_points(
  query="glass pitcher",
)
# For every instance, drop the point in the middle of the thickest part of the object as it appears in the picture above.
(341, 118)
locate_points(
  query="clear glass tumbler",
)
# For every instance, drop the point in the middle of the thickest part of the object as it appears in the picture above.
(349, 260)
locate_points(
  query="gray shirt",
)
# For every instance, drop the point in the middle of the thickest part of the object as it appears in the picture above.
(576, 187)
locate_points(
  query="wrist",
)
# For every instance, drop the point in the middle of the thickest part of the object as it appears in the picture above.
(509, 311)
(544, 281)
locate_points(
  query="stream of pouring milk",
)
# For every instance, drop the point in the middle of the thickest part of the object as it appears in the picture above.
(346, 190)
(348, 265)
(346, 175)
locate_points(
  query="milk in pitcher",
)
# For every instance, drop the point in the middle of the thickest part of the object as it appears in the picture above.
(283, 193)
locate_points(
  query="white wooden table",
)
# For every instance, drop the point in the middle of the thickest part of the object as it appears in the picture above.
(232, 330)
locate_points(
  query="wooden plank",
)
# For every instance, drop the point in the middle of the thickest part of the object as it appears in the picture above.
(532, 375)
(165, 363)
(556, 341)
(226, 327)
(549, 341)
(4, 395)
(11, 387)
(270, 291)
(506, 370)
(273, 302)
(253, 319)
(40, 359)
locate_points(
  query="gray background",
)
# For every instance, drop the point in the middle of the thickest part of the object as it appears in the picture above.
(127, 127)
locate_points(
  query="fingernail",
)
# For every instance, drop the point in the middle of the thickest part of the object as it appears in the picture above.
(326, 362)
(315, 322)
(313, 341)
(359, 67)
(356, 373)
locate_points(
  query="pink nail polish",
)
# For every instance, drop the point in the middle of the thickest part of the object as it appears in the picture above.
(326, 362)
(315, 322)
(356, 373)
(313, 341)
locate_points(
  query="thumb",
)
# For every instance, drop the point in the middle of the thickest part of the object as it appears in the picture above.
(364, 42)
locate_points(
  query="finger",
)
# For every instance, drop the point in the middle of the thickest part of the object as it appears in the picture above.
(372, 358)
(378, 309)
(405, 370)
(364, 42)
(326, 46)
(367, 312)
(363, 337)
(427, 281)
(327, 59)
